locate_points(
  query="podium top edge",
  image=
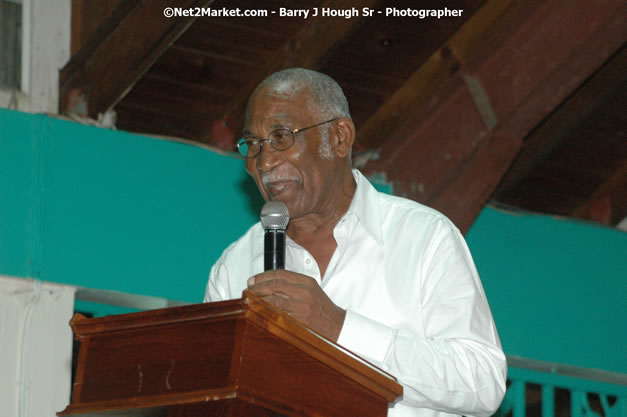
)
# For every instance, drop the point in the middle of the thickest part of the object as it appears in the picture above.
(83, 326)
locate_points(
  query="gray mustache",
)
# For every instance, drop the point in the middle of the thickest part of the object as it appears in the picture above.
(270, 178)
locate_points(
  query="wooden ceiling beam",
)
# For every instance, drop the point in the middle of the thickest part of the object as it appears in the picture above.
(439, 68)
(127, 44)
(452, 152)
(549, 135)
(309, 48)
(87, 17)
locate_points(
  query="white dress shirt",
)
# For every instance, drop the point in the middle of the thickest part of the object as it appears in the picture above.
(414, 303)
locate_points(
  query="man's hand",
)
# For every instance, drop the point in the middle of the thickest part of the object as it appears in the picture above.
(302, 298)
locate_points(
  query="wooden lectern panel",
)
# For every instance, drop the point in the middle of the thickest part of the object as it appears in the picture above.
(233, 358)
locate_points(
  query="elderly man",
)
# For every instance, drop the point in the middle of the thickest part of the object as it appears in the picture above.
(385, 277)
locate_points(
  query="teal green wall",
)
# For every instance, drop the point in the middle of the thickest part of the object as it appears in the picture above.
(111, 210)
(557, 289)
(18, 178)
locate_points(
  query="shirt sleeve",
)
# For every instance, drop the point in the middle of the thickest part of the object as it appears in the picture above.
(214, 290)
(458, 365)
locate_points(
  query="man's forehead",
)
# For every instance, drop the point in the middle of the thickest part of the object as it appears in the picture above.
(276, 121)
(271, 111)
(270, 106)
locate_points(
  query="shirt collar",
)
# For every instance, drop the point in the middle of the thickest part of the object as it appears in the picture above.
(365, 206)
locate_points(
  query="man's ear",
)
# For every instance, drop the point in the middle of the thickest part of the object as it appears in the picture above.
(344, 137)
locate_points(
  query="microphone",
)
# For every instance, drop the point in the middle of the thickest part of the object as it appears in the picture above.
(274, 219)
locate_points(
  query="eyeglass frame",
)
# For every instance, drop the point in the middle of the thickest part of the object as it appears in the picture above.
(243, 140)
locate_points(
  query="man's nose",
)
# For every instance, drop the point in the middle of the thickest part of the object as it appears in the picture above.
(268, 158)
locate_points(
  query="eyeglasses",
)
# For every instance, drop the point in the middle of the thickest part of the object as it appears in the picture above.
(280, 140)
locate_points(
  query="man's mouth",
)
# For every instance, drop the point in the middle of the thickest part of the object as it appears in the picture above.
(278, 187)
(277, 184)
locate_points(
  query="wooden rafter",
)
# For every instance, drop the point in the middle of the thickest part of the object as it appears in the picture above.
(451, 152)
(107, 66)
(426, 80)
(548, 136)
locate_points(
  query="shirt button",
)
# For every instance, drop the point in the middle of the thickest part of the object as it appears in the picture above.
(308, 261)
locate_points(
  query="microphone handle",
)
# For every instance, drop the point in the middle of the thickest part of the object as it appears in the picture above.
(274, 249)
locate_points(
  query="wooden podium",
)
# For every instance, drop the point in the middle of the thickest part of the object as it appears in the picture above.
(232, 358)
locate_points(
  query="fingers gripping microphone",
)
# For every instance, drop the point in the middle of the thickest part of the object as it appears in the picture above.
(274, 219)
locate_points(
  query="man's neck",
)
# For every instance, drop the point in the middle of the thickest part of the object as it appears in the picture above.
(319, 225)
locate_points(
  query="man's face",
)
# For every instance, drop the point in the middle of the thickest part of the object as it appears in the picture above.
(298, 176)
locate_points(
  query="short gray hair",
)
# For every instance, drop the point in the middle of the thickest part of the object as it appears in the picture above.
(325, 92)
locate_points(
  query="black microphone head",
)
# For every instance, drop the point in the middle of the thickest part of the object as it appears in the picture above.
(274, 215)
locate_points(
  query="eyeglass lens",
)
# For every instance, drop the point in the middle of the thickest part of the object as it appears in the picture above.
(279, 139)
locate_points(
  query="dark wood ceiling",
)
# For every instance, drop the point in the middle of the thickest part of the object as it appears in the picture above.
(518, 103)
